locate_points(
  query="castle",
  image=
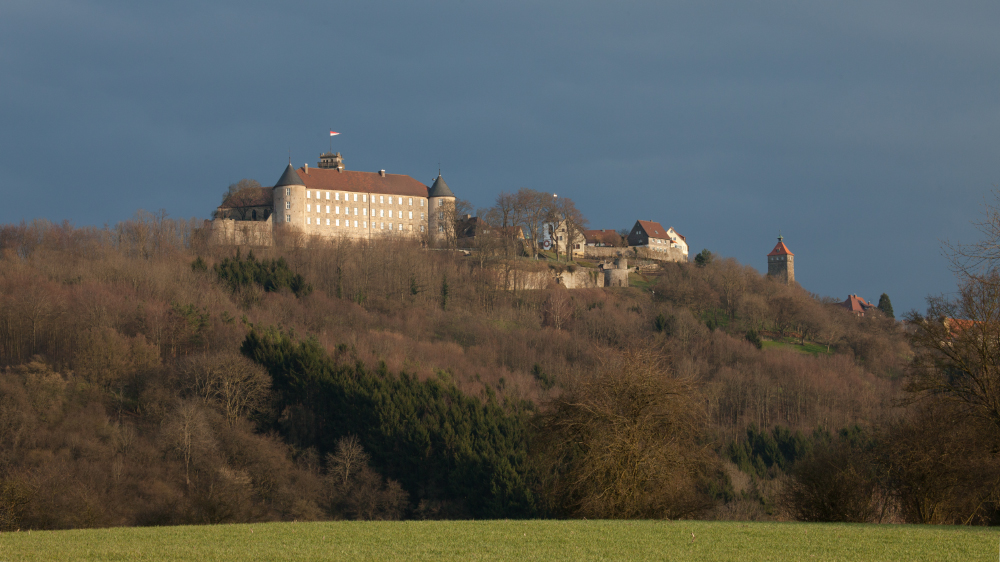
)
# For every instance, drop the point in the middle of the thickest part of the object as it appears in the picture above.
(329, 201)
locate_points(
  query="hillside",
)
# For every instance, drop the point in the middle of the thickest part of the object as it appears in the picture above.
(151, 378)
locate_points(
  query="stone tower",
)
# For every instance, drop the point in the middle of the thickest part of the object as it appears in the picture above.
(288, 192)
(781, 263)
(441, 214)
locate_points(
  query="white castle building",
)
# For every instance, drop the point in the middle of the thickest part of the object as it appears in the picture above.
(329, 201)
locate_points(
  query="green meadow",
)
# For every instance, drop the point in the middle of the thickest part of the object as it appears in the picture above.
(509, 540)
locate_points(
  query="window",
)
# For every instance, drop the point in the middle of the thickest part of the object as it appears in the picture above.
(336, 196)
(381, 212)
(336, 210)
(421, 202)
(327, 222)
(411, 215)
(390, 213)
(390, 226)
(440, 202)
(440, 216)
(288, 204)
(421, 228)
(421, 216)
(381, 226)
(308, 207)
(440, 228)
(327, 195)
(364, 211)
(288, 218)
(337, 222)
(390, 202)
(308, 195)
(411, 201)
(308, 220)
(355, 198)
(381, 199)
(355, 211)
(288, 191)
(355, 224)
(364, 224)
(364, 198)
(400, 226)
(328, 209)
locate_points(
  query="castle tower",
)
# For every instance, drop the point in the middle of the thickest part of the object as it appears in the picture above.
(781, 263)
(287, 191)
(441, 214)
(331, 161)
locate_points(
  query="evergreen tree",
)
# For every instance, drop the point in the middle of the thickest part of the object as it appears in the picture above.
(885, 305)
(703, 258)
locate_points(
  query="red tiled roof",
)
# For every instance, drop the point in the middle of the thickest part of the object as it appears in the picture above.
(780, 250)
(653, 229)
(250, 197)
(684, 238)
(607, 237)
(854, 303)
(361, 182)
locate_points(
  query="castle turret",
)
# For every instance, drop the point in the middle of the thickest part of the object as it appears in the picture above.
(331, 161)
(441, 215)
(288, 189)
(781, 263)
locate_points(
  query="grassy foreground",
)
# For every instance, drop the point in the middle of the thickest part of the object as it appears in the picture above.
(509, 540)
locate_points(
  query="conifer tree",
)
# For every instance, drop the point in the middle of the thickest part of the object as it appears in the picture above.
(885, 305)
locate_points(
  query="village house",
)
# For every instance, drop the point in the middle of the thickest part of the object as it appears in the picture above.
(857, 305)
(603, 238)
(651, 235)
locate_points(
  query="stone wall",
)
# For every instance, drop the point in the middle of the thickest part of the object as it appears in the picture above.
(605, 252)
(242, 233)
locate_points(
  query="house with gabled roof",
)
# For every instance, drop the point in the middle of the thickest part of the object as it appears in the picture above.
(652, 235)
(602, 238)
(857, 305)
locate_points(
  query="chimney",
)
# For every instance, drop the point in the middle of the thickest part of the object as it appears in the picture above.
(307, 167)
(381, 173)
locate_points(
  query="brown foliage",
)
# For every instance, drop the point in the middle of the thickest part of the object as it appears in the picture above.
(625, 444)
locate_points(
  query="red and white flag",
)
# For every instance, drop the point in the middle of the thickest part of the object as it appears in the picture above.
(333, 133)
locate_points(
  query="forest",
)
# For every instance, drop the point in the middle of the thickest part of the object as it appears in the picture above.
(151, 378)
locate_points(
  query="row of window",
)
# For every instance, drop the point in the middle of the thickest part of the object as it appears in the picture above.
(347, 223)
(364, 197)
(363, 210)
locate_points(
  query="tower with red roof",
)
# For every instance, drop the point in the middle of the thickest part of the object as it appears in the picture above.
(781, 263)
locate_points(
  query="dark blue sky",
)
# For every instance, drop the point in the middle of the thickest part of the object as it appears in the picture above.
(866, 131)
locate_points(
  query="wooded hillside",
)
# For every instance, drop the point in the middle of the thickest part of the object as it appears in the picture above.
(150, 378)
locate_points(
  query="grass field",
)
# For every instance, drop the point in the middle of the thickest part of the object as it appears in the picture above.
(810, 348)
(510, 540)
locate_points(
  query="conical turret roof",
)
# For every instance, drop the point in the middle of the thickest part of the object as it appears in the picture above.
(289, 177)
(440, 189)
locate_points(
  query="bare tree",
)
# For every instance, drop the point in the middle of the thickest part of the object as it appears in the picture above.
(235, 385)
(565, 216)
(534, 207)
(625, 443)
(241, 197)
(187, 433)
